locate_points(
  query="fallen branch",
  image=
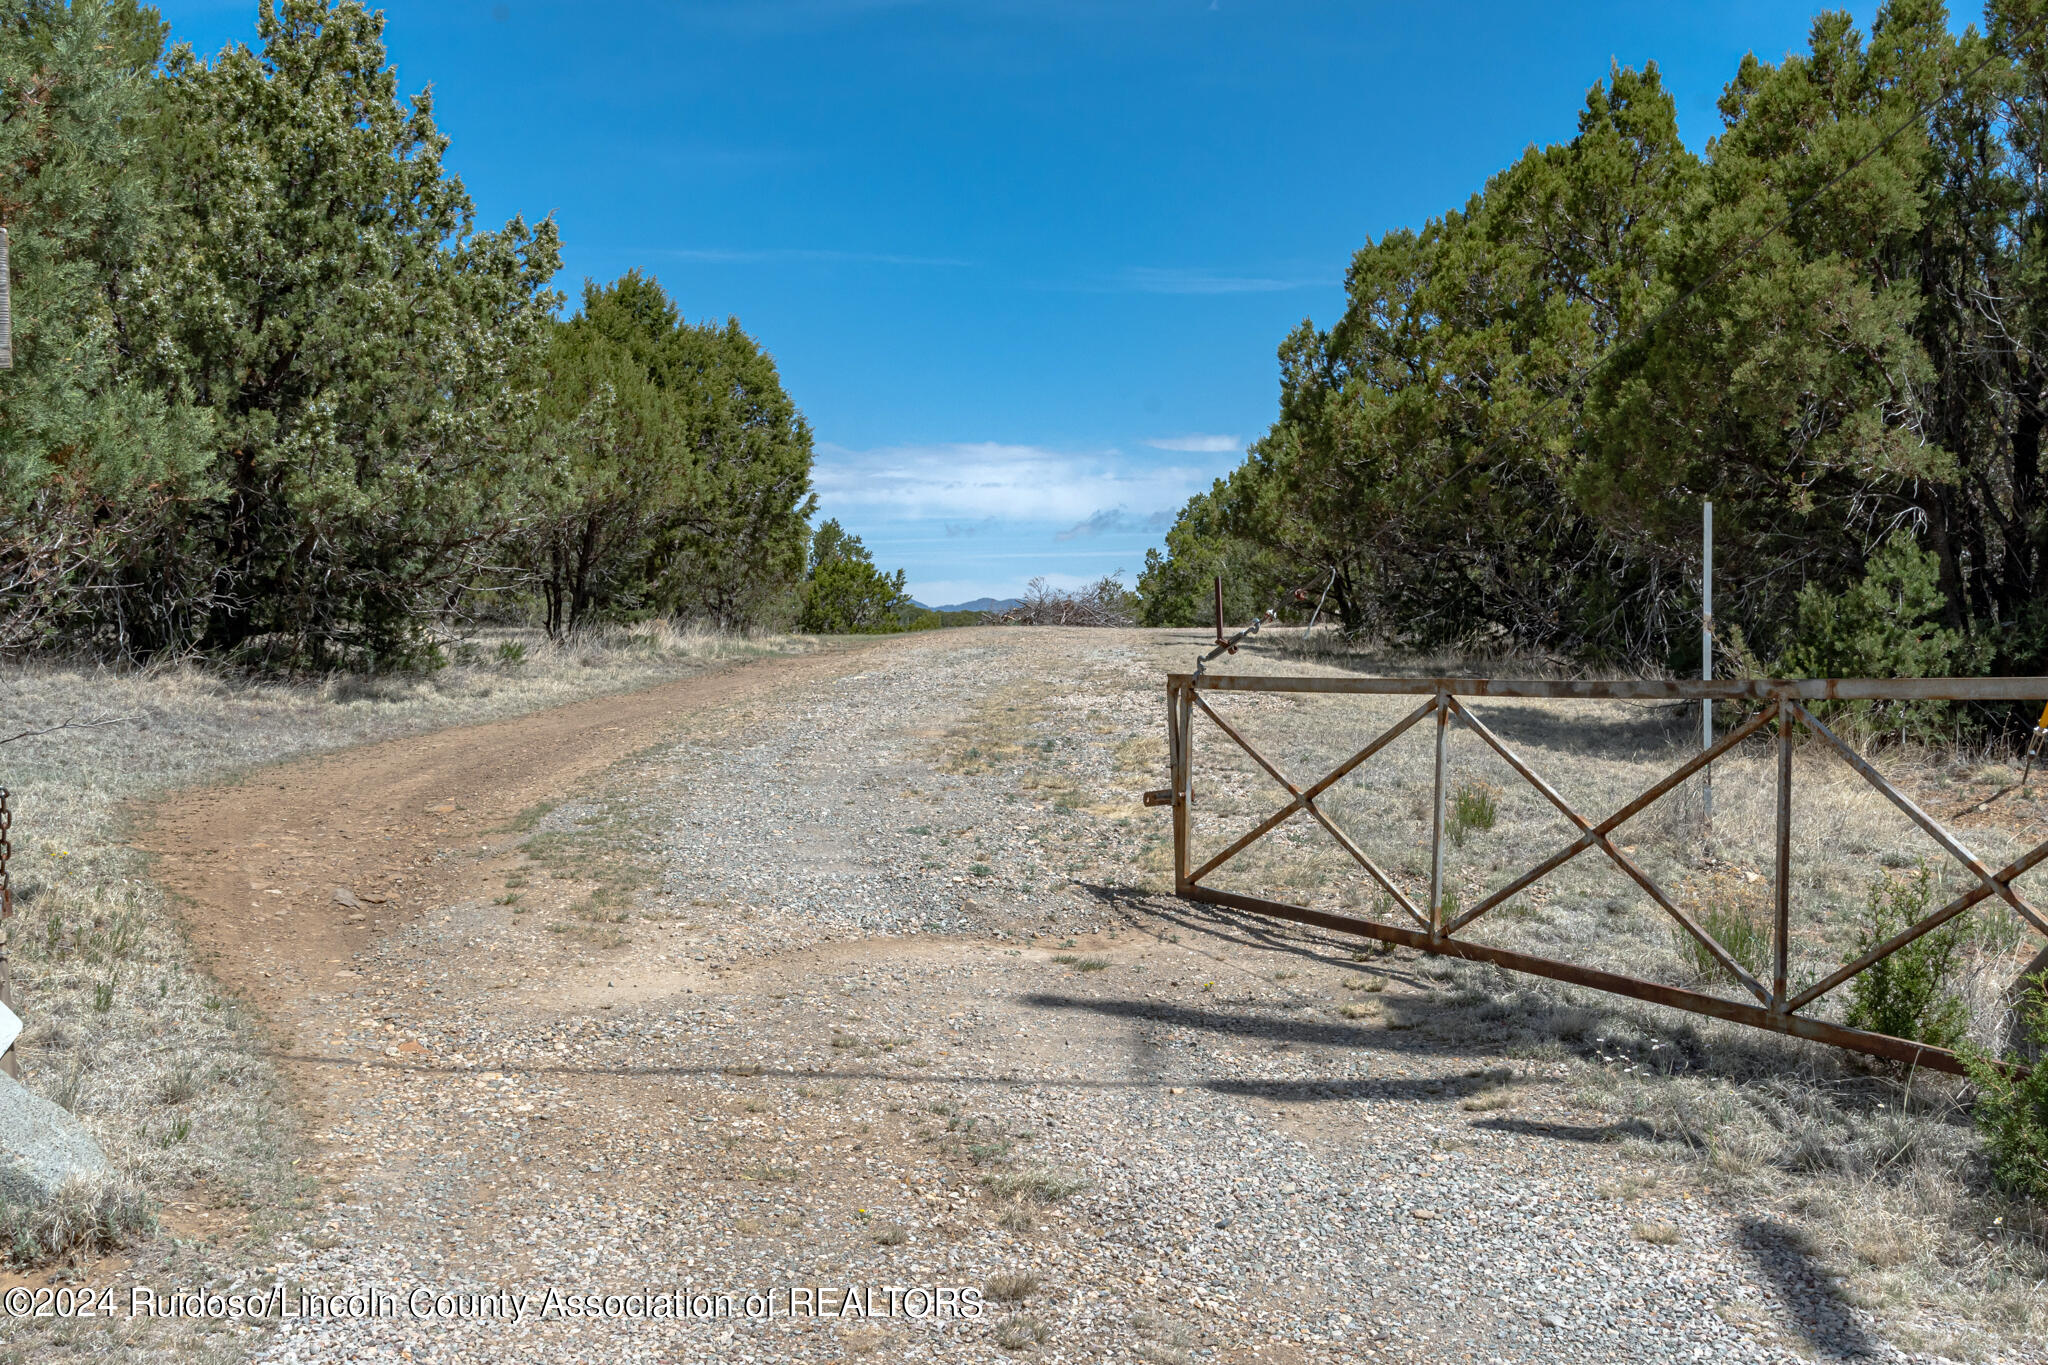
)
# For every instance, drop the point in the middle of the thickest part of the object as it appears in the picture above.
(94, 723)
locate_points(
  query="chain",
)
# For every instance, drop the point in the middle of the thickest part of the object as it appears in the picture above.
(1230, 646)
(6, 887)
(1271, 617)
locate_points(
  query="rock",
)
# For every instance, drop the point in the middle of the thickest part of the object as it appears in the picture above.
(41, 1147)
(344, 896)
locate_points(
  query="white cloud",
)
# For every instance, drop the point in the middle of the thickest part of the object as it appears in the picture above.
(1114, 521)
(1197, 443)
(1145, 279)
(786, 255)
(975, 481)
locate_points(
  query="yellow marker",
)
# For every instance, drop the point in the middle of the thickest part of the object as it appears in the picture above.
(2034, 745)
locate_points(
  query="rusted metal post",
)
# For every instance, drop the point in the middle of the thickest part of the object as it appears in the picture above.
(1180, 718)
(9, 1063)
(1781, 928)
(1436, 829)
(1219, 611)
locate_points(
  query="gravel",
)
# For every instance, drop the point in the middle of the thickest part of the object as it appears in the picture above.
(899, 1005)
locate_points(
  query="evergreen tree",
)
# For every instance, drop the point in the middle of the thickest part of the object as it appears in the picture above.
(1830, 324)
(621, 469)
(844, 592)
(739, 557)
(96, 459)
(680, 474)
(366, 354)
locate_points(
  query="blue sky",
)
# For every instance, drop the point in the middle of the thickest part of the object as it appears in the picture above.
(1023, 263)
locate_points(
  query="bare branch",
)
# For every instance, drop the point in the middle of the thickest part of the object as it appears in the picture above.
(94, 723)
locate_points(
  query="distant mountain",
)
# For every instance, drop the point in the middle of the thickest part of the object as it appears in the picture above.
(978, 604)
(982, 604)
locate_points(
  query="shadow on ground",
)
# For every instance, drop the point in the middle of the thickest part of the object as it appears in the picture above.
(1817, 1311)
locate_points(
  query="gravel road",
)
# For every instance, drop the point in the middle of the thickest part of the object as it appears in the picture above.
(863, 982)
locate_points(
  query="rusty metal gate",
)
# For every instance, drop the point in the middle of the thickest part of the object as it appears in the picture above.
(1783, 707)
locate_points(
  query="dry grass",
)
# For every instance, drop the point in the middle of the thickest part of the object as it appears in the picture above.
(1021, 1331)
(1037, 1186)
(1492, 1098)
(1163, 1340)
(121, 1028)
(87, 1217)
(864, 1341)
(1026, 732)
(1011, 1286)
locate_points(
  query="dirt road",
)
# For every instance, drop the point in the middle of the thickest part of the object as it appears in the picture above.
(842, 972)
(258, 863)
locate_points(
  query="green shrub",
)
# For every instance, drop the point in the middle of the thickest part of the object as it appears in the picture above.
(1472, 807)
(1889, 625)
(1737, 913)
(511, 653)
(1910, 994)
(2012, 1106)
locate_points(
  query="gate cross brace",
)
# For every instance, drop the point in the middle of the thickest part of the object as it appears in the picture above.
(1306, 800)
(1599, 835)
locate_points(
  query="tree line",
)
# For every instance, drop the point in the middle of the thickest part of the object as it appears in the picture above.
(279, 400)
(1833, 323)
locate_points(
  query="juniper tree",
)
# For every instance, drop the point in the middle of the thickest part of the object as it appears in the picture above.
(96, 460)
(369, 357)
(843, 591)
(680, 479)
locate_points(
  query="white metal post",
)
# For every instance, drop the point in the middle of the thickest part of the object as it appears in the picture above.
(1707, 665)
(6, 308)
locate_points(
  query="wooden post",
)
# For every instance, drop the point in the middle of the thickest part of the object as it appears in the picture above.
(1317, 614)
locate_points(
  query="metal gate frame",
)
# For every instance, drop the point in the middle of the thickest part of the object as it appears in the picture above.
(1777, 1008)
